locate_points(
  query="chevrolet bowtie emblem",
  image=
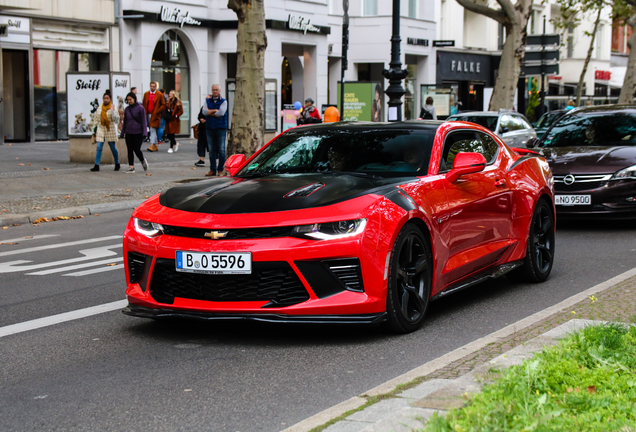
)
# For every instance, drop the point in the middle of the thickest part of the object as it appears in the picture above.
(215, 235)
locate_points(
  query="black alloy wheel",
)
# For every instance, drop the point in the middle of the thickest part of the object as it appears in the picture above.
(410, 279)
(539, 259)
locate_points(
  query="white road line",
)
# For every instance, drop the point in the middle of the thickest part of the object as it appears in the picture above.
(60, 318)
(75, 267)
(59, 245)
(89, 254)
(22, 239)
(97, 270)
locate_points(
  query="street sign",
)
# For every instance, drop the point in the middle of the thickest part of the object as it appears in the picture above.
(545, 39)
(538, 69)
(546, 56)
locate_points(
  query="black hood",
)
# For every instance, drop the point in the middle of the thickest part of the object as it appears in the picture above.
(232, 195)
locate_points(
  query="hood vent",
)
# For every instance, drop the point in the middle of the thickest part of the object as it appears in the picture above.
(305, 190)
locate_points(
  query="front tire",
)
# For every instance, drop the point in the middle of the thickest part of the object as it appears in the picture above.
(539, 259)
(410, 280)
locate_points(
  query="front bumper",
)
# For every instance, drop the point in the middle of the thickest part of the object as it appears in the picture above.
(614, 200)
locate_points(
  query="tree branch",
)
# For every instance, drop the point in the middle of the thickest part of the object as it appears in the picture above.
(491, 13)
(507, 8)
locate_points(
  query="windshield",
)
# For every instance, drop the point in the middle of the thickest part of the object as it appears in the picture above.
(384, 153)
(489, 122)
(547, 120)
(603, 129)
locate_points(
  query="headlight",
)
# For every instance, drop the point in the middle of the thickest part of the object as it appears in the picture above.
(149, 229)
(625, 174)
(331, 230)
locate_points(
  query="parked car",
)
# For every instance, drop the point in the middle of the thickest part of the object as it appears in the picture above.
(343, 223)
(547, 120)
(510, 126)
(592, 153)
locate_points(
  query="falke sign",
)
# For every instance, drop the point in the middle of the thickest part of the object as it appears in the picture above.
(464, 66)
(301, 24)
(174, 15)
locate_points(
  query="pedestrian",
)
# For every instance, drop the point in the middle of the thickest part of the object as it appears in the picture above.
(215, 110)
(173, 123)
(202, 139)
(570, 105)
(133, 130)
(104, 124)
(309, 114)
(154, 104)
(428, 111)
(134, 90)
(161, 136)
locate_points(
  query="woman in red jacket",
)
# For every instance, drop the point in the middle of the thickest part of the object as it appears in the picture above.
(173, 124)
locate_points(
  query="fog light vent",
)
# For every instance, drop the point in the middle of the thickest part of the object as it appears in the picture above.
(348, 272)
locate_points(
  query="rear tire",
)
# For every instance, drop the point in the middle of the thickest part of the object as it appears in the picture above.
(539, 259)
(410, 280)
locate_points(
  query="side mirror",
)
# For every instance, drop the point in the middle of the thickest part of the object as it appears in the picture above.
(505, 130)
(532, 142)
(466, 163)
(234, 163)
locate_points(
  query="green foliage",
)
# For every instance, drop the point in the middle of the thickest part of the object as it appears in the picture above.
(585, 383)
(533, 101)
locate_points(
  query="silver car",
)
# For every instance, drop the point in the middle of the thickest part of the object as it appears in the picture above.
(513, 128)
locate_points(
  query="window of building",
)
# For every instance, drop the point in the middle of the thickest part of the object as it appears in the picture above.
(598, 51)
(271, 96)
(412, 8)
(369, 7)
(570, 42)
(501, 37)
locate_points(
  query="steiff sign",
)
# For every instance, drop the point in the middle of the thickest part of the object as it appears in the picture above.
(302, 24)
(174, 15)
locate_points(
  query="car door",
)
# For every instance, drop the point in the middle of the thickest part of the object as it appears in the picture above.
(506, 130)
(526, 131)
(476, 224)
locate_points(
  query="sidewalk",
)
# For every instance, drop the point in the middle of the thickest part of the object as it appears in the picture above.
(37, 180)
(404, 403)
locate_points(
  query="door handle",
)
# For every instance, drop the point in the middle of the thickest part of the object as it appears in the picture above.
(500, 183)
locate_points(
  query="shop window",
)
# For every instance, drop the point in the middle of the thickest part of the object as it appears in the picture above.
(364, 72)
(231, 65)
(230, 91)
(410, 109)
(270, 110)
(45, 104)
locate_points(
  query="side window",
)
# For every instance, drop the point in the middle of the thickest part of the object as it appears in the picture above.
(524, 123)
(491, 148)
(506, 122)
(459, 142)
(517, 123)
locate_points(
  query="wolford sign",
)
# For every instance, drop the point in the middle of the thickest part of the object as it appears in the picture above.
(174, 15)
(299, 23)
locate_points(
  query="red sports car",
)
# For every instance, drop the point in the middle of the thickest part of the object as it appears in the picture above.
(344, 223)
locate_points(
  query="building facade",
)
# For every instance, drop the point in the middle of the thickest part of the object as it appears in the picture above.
(43, 40)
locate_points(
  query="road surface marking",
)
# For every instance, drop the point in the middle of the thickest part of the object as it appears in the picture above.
(59, 245)
(22, 239)
(60, 318)
(97, 270)
(89, 254)
(75, 267)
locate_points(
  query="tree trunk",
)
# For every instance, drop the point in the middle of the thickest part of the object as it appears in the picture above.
(247, 129)
(503, 94)
(579, 88)
(629, 82)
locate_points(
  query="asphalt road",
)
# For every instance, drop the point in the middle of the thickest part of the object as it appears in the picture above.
(114, 372)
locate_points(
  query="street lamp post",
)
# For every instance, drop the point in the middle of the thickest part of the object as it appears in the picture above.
(395, 74)
(345, 47)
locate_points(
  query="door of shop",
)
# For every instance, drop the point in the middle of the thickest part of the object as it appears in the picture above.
(15, 72)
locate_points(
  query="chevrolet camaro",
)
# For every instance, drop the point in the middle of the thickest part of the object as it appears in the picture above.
(344, 223)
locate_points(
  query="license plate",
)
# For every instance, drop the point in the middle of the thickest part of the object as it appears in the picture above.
(214, 262)
(569, 200)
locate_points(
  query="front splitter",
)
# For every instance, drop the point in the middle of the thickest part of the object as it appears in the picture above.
(146, 312)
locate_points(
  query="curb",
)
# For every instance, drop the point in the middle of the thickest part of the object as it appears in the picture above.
(459, 353)
(89, 210)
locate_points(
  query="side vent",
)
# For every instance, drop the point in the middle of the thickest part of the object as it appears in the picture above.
(305, 190)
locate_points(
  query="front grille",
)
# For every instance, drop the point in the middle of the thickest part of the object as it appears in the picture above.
(581, 182)
(348, 271)
(136, 264)
(232, 234)
(274, 282)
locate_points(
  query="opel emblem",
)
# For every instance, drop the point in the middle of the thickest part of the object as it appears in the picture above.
(568, 179)
(215, 235)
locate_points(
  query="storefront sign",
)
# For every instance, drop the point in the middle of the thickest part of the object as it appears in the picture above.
(555, 78)
(302, 24)
(120, 87)
(84, 96)
(174, 15)
(602, 75)
(174, 50)
(454, 66)
(460, 66)
(290, 115)
(15, 29)
(363, 102)
(443, 43)
(414, 41)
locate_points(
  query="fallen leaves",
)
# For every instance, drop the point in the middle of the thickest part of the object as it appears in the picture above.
(5, 227)
(111, 264)
(67, 196)
(9, 243)
(21, 164)
(591, 389)
(45, 169)
(148, 174)
(54, 219)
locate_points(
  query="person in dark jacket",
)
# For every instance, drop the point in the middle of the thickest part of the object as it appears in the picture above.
(202, 140)
(133, 130)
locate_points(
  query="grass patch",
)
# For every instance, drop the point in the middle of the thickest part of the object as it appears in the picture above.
(587, 382)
